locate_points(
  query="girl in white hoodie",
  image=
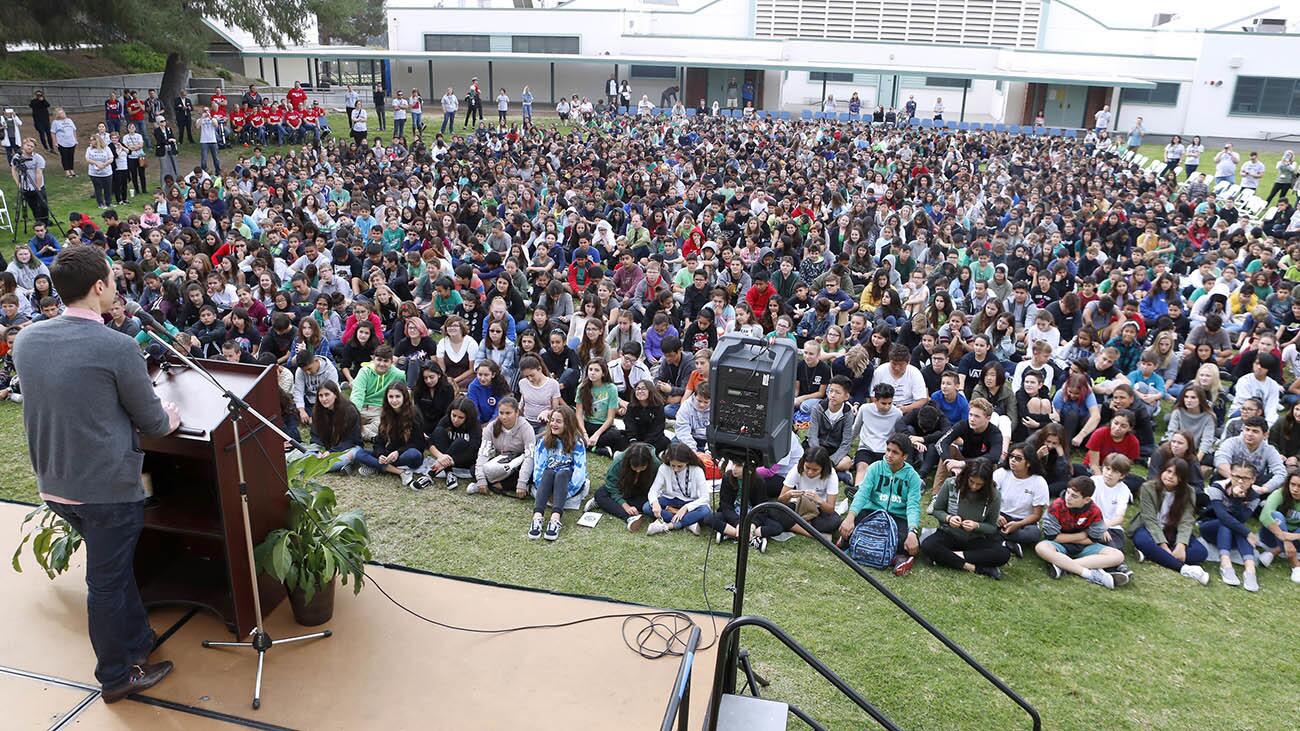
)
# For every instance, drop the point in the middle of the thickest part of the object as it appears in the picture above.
(679, 497)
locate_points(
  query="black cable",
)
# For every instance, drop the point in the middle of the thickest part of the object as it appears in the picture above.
(663, 634)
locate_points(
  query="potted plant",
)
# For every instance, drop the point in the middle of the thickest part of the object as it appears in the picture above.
(318, 545)
(53, 541)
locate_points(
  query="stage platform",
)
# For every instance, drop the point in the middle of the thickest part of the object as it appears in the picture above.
(382, 668)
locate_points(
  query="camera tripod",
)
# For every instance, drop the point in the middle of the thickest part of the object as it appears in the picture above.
(20, 166)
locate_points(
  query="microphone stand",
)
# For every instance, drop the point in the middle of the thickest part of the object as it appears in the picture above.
(259, 640)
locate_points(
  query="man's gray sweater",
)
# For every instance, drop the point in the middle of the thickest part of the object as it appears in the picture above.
(85, 393)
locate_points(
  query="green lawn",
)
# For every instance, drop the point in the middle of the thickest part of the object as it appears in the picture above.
(1163, 653)
(1158, 654)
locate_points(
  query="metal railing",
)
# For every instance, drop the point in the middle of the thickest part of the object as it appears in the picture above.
(679, 703)
(723, 645)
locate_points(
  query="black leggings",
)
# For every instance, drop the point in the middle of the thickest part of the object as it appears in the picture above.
(612, 437)
(1278, 188)
(136, 175)
(766, 525)
(67, 158)
(982, 551)
(613, 507)
(103, 185)
(553, 484)
(119, 185)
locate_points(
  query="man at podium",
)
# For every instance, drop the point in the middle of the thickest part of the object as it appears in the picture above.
(87, 393)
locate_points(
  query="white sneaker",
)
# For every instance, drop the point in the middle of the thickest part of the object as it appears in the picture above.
(16, 398)
(407, 478)
(633, 522)
(366, 470)
(1266, 557)
(1249, 582)
(472, 489)
(1195, 573)
(1229, 576)
(657, 527)
(587, 506)
(452, 483)
(1295, 575)
(758, 542)
(694, 528)
(1101, 578)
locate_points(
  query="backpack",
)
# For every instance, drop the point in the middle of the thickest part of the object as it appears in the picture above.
(874, 540)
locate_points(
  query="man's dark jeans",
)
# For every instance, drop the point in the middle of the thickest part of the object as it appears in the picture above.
(119, 628)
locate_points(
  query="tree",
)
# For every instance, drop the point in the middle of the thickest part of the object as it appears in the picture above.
(354, 24)
(169, 26)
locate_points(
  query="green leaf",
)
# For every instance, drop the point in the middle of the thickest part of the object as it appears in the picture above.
(18, 566)
(280, 559)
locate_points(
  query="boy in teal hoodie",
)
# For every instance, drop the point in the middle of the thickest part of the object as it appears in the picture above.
(891, 485)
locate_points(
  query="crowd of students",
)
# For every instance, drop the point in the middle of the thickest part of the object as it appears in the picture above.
(1003, 323)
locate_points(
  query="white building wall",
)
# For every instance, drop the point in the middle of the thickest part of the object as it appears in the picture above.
(1258, 55)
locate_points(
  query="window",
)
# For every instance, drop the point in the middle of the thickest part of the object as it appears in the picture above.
(544, 44)
(654, 72)
(834, 78)
(1268, 96)
(1165, 95)
(448, 42)
(947, 82)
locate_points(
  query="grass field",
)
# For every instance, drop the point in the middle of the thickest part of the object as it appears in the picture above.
(1163, 653)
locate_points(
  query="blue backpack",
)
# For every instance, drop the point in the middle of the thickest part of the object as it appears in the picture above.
(874, 540)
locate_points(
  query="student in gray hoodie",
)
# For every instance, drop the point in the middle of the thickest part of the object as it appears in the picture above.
(312, 370)
(505, 454)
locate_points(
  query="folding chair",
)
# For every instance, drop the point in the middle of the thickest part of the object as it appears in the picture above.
(806, 115)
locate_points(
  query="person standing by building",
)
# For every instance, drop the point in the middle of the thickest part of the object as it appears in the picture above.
(611, 91)
(910, 107)
(153, 107)
(208, 141)
(1252, 172)
(1135, 134)
(503, 106)
(113, 112)
(473, 103)
(1225, 165)
(450, 105)
(41, 119)
(527, 99)
(400, 109)
(1101, 120)
(98, 493)
(938, 108)
(733, 93)
(417, 113)
(380, 103)
(164, 140)
(183, 107)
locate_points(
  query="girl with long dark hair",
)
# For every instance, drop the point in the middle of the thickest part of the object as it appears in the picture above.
(336, 425)
(504, 458)
(1162, 529)
(455, 442)
(598, 408)
(679, 497)
(399, 444)
(644, 419)
(627, 484)
(968, 507)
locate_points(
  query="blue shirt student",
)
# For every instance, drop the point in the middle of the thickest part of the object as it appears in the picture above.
(956, 410)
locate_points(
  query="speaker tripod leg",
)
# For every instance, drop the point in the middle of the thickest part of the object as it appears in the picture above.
(210, 643)
(257, 683)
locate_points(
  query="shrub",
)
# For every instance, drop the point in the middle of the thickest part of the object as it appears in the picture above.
(225, 74)
(34, 66)
(137, 57)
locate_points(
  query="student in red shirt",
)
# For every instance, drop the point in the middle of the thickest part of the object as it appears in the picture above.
(238, 122)
(759, 292)
(1117, 437)
(258, 119)
(1075, 539)
(217, 107)
(275, 123)
(297, 97)
(135, 111)
(113, 113)
(292, 129)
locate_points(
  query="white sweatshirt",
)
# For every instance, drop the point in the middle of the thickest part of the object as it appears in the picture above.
(688, 485)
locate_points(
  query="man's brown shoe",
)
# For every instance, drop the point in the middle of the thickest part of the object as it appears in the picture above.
(141, 678)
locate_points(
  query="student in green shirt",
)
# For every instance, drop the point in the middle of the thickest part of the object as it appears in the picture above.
(893, 486)
(597, 409)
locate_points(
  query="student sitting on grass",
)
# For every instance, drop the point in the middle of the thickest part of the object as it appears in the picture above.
(891, 485)
(1280, 518)
(811, 491)
(831, 424)
(504, 456)
(967, 507)
(597, 404)
(1111, 493)
(336, 425)
(627, 484)
(1117, 437)
(1074, 538)
(559, 469)
(1162, 529)
(455, 441)
(1024, 498)
(872, 426)
(399, 441)
(725, 521)
(644, 419)
(679, 497)
(1232, 502)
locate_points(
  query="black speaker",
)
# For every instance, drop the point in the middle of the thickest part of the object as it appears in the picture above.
(752, 382)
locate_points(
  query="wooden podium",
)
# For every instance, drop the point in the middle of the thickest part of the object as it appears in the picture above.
(192, 550)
